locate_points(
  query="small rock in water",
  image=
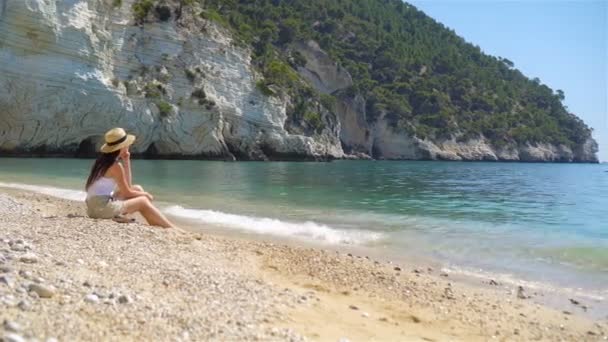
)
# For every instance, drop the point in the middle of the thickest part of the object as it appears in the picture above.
(397, 268)
(29, 258)
(125, 299)
(353, 307)
(493, 282)
(12, 337)
(43, 291)
(86, 283)
(574, 301)
(11, 326)
(91, 298)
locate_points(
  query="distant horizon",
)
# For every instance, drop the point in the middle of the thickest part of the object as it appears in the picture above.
(532, 34)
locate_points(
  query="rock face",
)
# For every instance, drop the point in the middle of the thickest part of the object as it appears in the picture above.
(321, 71)
(70, 70)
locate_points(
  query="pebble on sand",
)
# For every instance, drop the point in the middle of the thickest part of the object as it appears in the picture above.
(12, 337)
(25, 274)
(43, 291)
(23, 305)
(7, 280)
(91, 298)
(18, 247)
(6, 268)
(11, 326)
(125, 299)
(29, 258)
(520, 293)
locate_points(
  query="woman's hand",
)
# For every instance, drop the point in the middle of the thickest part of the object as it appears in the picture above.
(125, 155)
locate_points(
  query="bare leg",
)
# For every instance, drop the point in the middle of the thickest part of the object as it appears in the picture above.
(148, 211)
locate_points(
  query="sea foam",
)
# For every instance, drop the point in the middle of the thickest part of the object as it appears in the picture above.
(261, 225)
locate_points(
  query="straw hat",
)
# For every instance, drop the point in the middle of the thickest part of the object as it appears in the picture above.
(116, 138)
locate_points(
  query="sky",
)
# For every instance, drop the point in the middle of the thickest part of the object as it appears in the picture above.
(562, 42)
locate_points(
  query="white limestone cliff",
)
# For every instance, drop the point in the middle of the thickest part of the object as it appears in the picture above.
(70, 70)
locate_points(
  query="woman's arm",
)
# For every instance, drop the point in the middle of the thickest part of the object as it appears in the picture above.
(126, 161)
(119, 174)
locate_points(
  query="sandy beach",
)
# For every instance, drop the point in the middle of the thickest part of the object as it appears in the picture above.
(65, 277)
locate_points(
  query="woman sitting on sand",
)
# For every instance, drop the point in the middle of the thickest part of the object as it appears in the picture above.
(108, 175)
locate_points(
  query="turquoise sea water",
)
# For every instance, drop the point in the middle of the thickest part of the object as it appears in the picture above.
(545, 223)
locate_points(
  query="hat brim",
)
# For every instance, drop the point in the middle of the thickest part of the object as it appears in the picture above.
(105, 148)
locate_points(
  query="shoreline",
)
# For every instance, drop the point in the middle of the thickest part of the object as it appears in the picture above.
(582, 281)
(554, 293)
(196, 285)
(550, 294)
(297, 160)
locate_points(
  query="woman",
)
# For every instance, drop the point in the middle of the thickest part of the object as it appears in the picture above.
(108, 175)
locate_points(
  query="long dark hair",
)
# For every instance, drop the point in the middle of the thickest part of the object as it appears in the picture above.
(101, 165)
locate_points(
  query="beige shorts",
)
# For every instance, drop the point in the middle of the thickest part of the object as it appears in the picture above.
(103, 207)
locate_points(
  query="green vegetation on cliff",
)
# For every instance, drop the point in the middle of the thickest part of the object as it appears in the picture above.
(414, 72)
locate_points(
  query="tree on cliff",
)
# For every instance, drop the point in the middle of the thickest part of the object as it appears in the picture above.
(412, 70)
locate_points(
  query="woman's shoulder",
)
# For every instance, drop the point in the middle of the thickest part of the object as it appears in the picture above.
(114, 169)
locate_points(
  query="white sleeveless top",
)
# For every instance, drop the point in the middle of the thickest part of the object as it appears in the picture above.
(103, 186)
